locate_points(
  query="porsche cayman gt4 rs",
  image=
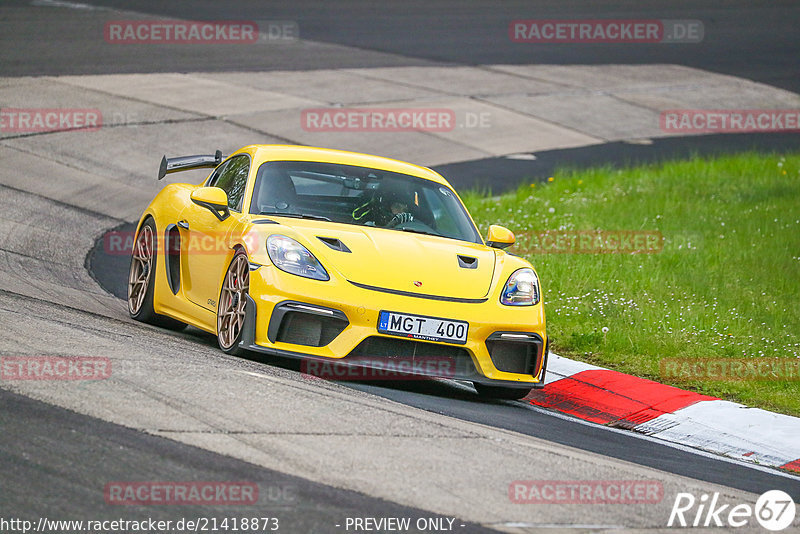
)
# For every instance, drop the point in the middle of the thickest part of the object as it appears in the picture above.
(333, 256)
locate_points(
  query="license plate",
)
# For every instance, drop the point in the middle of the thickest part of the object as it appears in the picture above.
(421, 327)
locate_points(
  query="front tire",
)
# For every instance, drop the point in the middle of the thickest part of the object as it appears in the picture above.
(232, 301)
(500, 393)
(142, 279)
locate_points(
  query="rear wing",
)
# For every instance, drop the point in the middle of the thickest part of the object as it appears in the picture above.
(185, 163)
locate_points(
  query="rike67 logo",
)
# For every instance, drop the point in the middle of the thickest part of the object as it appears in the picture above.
(774, 510)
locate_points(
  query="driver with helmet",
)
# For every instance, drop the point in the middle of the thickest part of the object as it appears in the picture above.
(388, 208)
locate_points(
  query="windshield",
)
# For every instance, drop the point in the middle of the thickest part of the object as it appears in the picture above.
(360, 196)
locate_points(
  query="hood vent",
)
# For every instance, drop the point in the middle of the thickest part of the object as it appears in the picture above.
(334, 243)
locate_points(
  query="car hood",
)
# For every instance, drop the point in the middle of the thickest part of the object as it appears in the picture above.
(402, 261)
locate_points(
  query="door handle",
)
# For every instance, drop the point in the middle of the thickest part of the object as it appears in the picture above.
(183, 224)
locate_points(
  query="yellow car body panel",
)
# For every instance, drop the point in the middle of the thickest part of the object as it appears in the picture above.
(389, 270)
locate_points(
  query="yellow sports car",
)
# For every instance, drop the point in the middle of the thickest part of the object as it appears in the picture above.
(334, 256)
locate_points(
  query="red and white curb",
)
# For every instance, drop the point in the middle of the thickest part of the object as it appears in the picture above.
(669, 413)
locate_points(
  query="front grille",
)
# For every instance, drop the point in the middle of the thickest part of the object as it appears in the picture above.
(515, 355)
(440, 360)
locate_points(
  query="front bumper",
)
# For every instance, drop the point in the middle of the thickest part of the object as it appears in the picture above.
(506, 346)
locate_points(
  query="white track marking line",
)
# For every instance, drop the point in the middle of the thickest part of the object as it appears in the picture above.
(61, 3)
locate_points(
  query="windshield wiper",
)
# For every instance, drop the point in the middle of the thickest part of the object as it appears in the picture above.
(420, 232)
(295, 215)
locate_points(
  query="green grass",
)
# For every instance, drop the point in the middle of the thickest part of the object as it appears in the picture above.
(725, 285)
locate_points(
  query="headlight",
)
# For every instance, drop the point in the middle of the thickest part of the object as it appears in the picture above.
(290, 256)
(521, 289)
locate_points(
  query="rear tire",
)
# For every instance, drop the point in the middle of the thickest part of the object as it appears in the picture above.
(141, 279)
(232, 301)
(501, 393)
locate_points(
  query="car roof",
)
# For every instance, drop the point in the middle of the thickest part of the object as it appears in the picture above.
(262, 153)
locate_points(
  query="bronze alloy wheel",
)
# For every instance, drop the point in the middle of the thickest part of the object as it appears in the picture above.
(141, 269)
(230, 312)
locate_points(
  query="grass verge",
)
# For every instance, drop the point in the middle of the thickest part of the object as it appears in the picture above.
(722, 286)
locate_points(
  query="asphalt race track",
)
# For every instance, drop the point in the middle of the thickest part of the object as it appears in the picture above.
(44, 482)
(177, 409)
(753, 40)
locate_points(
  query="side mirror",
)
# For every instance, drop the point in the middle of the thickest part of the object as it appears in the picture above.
(500, 237)
(213, 199)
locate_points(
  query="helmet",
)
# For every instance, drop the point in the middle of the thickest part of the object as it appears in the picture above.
(394, 193)
(378, 210)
